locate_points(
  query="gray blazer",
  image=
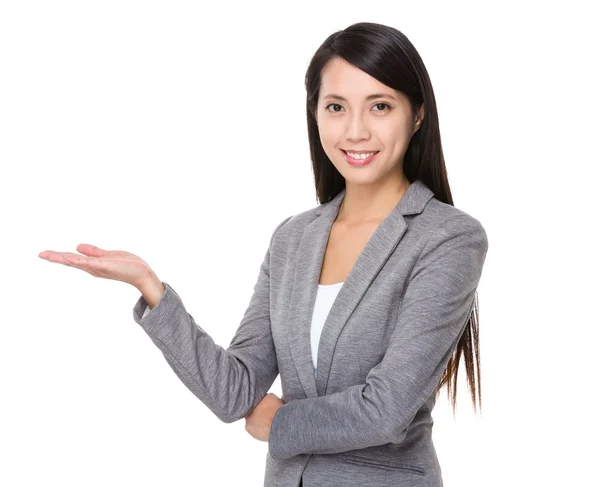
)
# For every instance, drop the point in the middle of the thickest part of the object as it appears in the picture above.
(366, 418)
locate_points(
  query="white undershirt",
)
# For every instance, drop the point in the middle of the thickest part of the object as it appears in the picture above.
(326, 294)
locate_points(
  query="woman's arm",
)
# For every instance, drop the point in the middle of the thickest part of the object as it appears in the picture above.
(232, 381)
(431, 319)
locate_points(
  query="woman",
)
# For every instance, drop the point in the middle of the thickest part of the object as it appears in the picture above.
(380, 279)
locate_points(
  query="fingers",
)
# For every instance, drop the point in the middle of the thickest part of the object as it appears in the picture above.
(109, 264)
(91, 265)
(67, 258)
(62, 257)
(85, 249)
(52, 256)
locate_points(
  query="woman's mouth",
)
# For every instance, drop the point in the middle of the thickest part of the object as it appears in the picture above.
(359, 159)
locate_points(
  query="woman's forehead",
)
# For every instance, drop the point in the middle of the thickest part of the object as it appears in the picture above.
(343, 81)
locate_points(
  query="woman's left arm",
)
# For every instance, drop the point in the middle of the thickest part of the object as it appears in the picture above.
(431, 319)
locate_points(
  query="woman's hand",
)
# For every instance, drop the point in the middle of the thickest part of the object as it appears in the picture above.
(118, 265)
(258, 422)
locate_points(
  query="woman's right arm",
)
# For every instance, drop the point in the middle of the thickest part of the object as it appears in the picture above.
(232, 381)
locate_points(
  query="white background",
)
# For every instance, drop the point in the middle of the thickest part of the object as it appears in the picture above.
(177, 131)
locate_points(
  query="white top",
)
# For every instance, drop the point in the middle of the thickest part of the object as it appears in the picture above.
(326, 294)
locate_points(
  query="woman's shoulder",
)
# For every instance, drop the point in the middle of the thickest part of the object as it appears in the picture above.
(293, 225)
(439, 215)
(442, 221)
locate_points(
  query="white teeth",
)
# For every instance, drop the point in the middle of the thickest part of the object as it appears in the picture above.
(360, 156)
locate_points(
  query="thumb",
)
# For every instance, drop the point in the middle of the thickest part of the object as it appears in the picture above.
(93, 251)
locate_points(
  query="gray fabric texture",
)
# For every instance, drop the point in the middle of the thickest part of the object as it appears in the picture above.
(365, 419)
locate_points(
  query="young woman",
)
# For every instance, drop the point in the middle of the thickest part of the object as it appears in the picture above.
(364, 304)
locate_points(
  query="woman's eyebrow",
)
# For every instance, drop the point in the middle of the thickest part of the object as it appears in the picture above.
(370, 97)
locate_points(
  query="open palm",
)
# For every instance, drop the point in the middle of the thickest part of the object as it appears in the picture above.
(118, 265)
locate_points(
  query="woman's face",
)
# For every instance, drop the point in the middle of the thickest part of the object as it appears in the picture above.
(362, 122)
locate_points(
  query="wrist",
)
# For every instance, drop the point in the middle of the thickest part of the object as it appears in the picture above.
(152, 290)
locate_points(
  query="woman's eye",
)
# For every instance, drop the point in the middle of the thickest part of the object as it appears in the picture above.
(384, 104)
(332, 105)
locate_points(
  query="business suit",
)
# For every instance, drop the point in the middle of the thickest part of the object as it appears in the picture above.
(366, 417)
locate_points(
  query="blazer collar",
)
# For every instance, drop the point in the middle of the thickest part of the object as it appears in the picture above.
(309, 263)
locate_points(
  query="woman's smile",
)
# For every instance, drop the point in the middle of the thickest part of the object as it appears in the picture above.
(360, 158)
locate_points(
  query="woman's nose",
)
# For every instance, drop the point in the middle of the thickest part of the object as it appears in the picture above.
(357, 128)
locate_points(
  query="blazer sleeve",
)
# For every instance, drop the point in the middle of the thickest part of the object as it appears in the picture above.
(431, 319)
(232, 381)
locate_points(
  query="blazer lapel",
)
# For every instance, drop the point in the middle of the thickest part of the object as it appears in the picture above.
(309, 262)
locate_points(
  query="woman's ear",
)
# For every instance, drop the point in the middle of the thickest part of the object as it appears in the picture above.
(419, 118)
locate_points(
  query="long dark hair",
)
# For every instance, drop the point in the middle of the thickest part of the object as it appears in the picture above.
(387, 55)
